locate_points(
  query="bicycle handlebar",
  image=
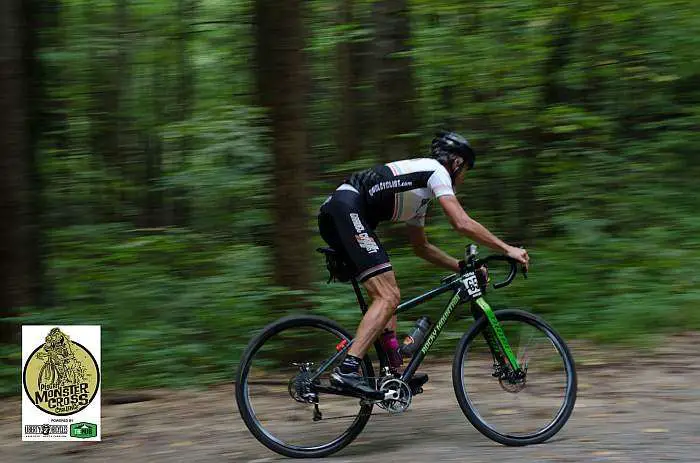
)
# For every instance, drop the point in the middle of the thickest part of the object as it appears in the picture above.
(513, 268)
(473, 263)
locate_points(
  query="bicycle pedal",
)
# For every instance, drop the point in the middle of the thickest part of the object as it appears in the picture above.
(416, 383)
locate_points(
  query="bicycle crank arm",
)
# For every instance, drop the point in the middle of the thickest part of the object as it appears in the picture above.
(335, 391)
(389, 395)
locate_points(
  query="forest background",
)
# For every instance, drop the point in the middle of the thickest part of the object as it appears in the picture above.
(162, 163)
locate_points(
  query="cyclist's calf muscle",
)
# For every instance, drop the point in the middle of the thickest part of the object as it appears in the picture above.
(385, 296)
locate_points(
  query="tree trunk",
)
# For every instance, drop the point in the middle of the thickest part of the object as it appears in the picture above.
(532, 212)
(56, 108)
(396, 94)
(120, 77)
(348, 138)
(53, 123)
(185, 96)
(152, 144)
(38, 15)
(106, 114)
(396, 127)
(282, 88)
(15, 228)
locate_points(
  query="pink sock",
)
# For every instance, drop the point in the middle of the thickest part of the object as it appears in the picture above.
(391, 346)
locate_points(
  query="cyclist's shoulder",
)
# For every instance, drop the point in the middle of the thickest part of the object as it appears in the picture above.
(417, 164)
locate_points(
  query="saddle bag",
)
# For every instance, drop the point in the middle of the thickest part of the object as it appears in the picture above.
(338, 268)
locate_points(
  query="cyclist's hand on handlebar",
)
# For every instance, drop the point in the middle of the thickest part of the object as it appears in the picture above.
(520, 255)
(462, 264)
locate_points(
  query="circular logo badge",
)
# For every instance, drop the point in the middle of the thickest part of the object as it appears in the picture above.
(61, 377)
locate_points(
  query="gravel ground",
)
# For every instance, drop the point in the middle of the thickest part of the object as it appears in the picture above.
(631, 407)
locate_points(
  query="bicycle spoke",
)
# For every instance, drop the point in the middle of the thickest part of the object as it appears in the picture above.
(509, 407)
(282, 360)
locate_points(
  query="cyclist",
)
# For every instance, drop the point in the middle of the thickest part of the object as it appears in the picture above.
(398, 191)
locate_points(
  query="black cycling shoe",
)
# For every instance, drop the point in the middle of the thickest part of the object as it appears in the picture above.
(416, 382)
(356, 383)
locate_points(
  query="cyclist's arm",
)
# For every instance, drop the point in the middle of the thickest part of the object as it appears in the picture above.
(464, 224)
(429, 252)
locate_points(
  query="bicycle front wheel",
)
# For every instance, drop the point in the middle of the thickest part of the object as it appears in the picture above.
(516, 412)
(270, 390)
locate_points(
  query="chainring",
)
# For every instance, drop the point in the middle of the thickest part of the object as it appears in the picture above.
(400, 404)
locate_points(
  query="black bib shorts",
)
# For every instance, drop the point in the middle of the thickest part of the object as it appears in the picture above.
(343, 225)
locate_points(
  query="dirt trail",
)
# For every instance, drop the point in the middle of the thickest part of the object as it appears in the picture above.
(632, 407)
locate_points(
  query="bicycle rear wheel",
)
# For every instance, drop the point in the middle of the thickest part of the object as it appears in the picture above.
(269, 398)
(528, 411)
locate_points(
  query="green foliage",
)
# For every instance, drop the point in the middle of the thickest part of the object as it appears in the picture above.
(175, 308)
(584, 116)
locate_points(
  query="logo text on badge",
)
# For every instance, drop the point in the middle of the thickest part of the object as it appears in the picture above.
(61, 382)
(83, 430)
(61, 376)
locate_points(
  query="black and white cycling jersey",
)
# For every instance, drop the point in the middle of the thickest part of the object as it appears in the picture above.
(400, 191)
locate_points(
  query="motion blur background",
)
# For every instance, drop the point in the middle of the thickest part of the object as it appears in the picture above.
(163, 162)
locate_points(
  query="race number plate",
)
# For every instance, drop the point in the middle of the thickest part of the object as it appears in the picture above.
(471, 284)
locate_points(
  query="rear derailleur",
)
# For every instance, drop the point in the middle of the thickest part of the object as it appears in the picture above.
(300, 388)
(300, 385)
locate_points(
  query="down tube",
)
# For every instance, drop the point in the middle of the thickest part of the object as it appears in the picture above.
(418, 358)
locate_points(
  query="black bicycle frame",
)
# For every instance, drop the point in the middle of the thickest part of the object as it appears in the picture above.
(498, 343)
(466, 287)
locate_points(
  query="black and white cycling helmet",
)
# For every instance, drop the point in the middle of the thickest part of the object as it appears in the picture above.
(451, 143)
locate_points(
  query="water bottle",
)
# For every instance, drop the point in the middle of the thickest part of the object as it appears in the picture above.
(415, 339)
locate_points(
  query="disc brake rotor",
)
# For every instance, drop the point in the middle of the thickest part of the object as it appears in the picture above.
(513, 382)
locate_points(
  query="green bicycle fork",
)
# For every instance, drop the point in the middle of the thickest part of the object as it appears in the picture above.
(498, 343)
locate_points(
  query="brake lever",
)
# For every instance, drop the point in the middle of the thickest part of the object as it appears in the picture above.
(524, 270)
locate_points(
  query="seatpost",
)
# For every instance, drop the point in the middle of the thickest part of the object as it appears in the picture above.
(358, 293)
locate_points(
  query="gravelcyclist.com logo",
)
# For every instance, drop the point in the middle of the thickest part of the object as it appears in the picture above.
(61, 376)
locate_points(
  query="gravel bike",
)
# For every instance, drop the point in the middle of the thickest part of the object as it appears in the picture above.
(512, 390)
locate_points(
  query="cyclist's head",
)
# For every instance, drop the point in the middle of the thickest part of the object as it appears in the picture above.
(453, 151)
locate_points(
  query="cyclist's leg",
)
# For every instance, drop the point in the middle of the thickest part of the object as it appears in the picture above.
(350, 234)
(384, 294)
(343, 226)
